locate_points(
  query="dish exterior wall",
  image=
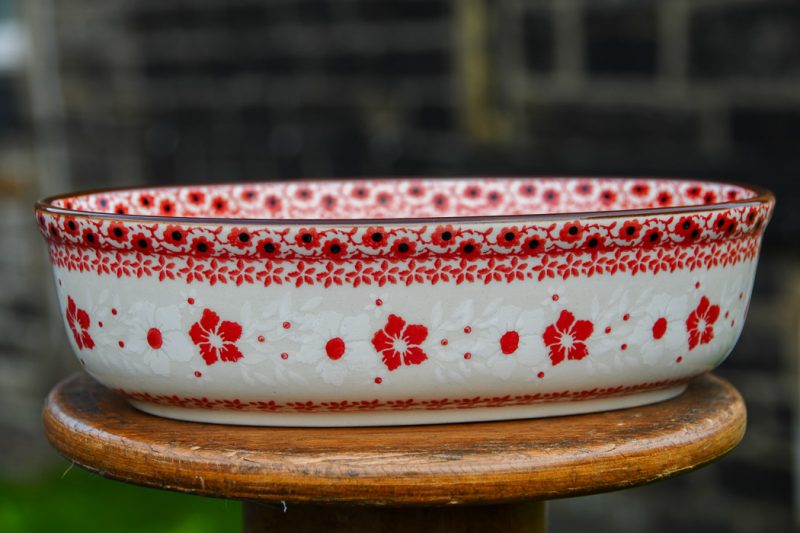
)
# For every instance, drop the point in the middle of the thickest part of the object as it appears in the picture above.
(489, 338)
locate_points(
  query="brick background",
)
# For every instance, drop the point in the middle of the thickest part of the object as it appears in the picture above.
(245, 89)
(206, 90)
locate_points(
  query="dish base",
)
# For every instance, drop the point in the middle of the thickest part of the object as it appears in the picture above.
(411, 417)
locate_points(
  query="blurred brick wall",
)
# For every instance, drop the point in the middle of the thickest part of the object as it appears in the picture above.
(205, 90)
(26, 303)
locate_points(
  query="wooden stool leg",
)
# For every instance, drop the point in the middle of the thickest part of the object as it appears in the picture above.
(301, 518)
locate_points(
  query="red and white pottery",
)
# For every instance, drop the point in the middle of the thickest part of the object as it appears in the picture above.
(384, 302)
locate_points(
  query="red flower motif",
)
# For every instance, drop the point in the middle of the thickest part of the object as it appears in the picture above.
(308, 238)
(700, 323)
(360, 192)
(565, 338)
(584, 188)
(304, 193)
(688, 228)
(640, 189)
(528, 189)
(146, 200)
(399, 343)
(473, 191)
(594, 241)
(508, 237)
(374, 237)
(71, 227)
(608, 197)
(440, 201)
(117, 232)
(630, 230)
(651, 237)
(197, 197)
(216, 338)
(571, 232)
(219, 205)
(175, 235)
(494, 197)
(751, 215)
(334, 249)
(533, 245)
(444, 236)
(248, 195)
(403, 247)
(78, 321)
(664, 198)
(551, 196)
(416, 190)
(694, 192)
(166, 207)
(202, 246)
(385, 199)
(273, 203)
(469, 249)
(328, 202)
(90, 237)
(239, 237)
(141, 242)
(268, 247)
(724, 223)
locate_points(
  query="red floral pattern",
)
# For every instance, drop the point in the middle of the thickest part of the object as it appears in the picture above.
(79, 322)
(565, 339)
(415, 251)
(382, 272)
(216, 338)
(419, 241)
(411, 239)
(399, 343)
(700, 324)
(409, 404)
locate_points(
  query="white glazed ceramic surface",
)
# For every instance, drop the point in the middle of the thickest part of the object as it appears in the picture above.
(272, 304)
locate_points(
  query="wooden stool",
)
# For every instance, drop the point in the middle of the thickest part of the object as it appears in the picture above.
(464, 477)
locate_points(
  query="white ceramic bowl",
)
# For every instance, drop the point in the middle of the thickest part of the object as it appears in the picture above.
(325, 303)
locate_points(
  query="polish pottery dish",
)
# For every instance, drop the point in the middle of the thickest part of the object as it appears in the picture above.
(389, 302)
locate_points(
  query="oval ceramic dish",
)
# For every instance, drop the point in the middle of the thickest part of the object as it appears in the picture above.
(382, 302)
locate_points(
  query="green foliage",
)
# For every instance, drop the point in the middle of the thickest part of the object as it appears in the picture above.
(83, 502)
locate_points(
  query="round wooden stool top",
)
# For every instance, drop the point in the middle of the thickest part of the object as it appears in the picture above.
(492, 462)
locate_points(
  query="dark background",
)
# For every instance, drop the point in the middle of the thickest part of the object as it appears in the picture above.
(121, 92)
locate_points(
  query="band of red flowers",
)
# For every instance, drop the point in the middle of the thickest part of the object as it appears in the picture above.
(409, 404)
(380, 272)
(416, 241)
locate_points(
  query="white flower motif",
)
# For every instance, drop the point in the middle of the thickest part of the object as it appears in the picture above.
(450, 348)
(190, 299)
(278, 317)
(337, 347)
(107, 329)
(734, 302)
(379, 304)
(554, 298)
(510, 341)
(155, 334)
(660, 328)
(613, 321)
(271, 339)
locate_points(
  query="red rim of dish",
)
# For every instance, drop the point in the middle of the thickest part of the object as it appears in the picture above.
(762, 196)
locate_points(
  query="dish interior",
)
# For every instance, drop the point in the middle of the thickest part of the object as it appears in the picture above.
(405, 198)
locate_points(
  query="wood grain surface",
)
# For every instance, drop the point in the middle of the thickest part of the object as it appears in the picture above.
(492, 462)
